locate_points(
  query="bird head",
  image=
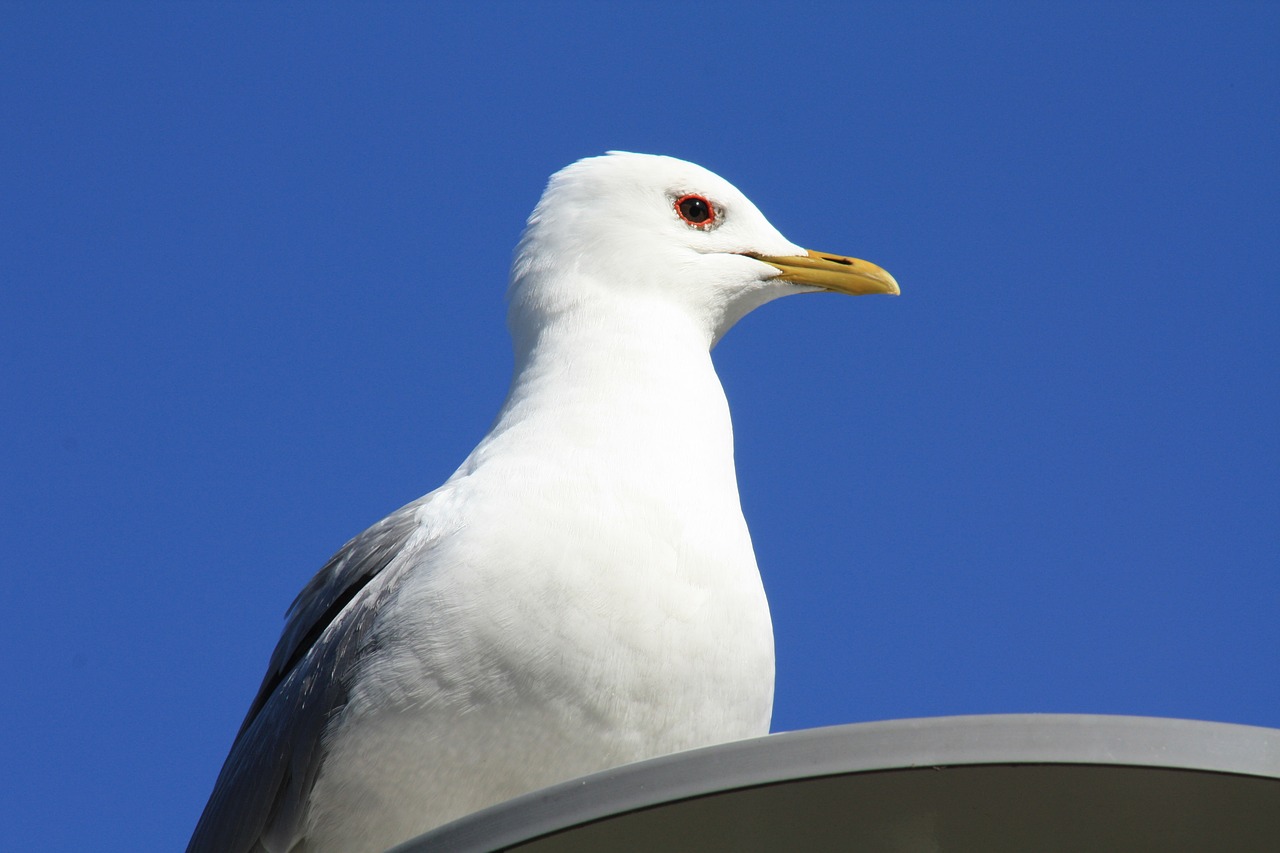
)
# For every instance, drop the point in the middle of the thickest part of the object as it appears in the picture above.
(625, 231)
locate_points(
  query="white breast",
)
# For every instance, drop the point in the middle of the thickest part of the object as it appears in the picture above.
(585, 595)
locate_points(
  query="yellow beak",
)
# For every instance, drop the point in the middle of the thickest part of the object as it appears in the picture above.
(832, 272)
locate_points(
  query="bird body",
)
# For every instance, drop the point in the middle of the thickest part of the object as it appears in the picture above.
(582, 592)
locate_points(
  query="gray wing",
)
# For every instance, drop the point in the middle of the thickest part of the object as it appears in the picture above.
(268, 776)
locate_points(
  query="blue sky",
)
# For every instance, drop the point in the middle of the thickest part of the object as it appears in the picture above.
(252, 259)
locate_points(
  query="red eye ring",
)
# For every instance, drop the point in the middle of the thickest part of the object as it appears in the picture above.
(696, 211)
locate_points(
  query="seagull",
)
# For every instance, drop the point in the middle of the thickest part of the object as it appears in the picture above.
(582, 593)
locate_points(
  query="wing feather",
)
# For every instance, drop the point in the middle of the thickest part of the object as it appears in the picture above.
(258, 802)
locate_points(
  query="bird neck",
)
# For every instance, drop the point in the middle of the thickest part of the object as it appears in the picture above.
(633, 392)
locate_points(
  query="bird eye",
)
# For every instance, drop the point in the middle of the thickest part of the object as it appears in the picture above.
(696, 210)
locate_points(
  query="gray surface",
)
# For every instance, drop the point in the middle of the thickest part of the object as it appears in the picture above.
(991, 783)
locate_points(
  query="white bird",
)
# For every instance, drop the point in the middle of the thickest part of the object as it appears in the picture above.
(582, 592)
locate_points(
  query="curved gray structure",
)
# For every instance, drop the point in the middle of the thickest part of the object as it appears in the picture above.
(984, 784)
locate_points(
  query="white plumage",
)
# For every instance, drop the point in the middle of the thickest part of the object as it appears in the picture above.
(582, 592)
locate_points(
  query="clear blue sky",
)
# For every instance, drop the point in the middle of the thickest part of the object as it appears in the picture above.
(252, 259)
